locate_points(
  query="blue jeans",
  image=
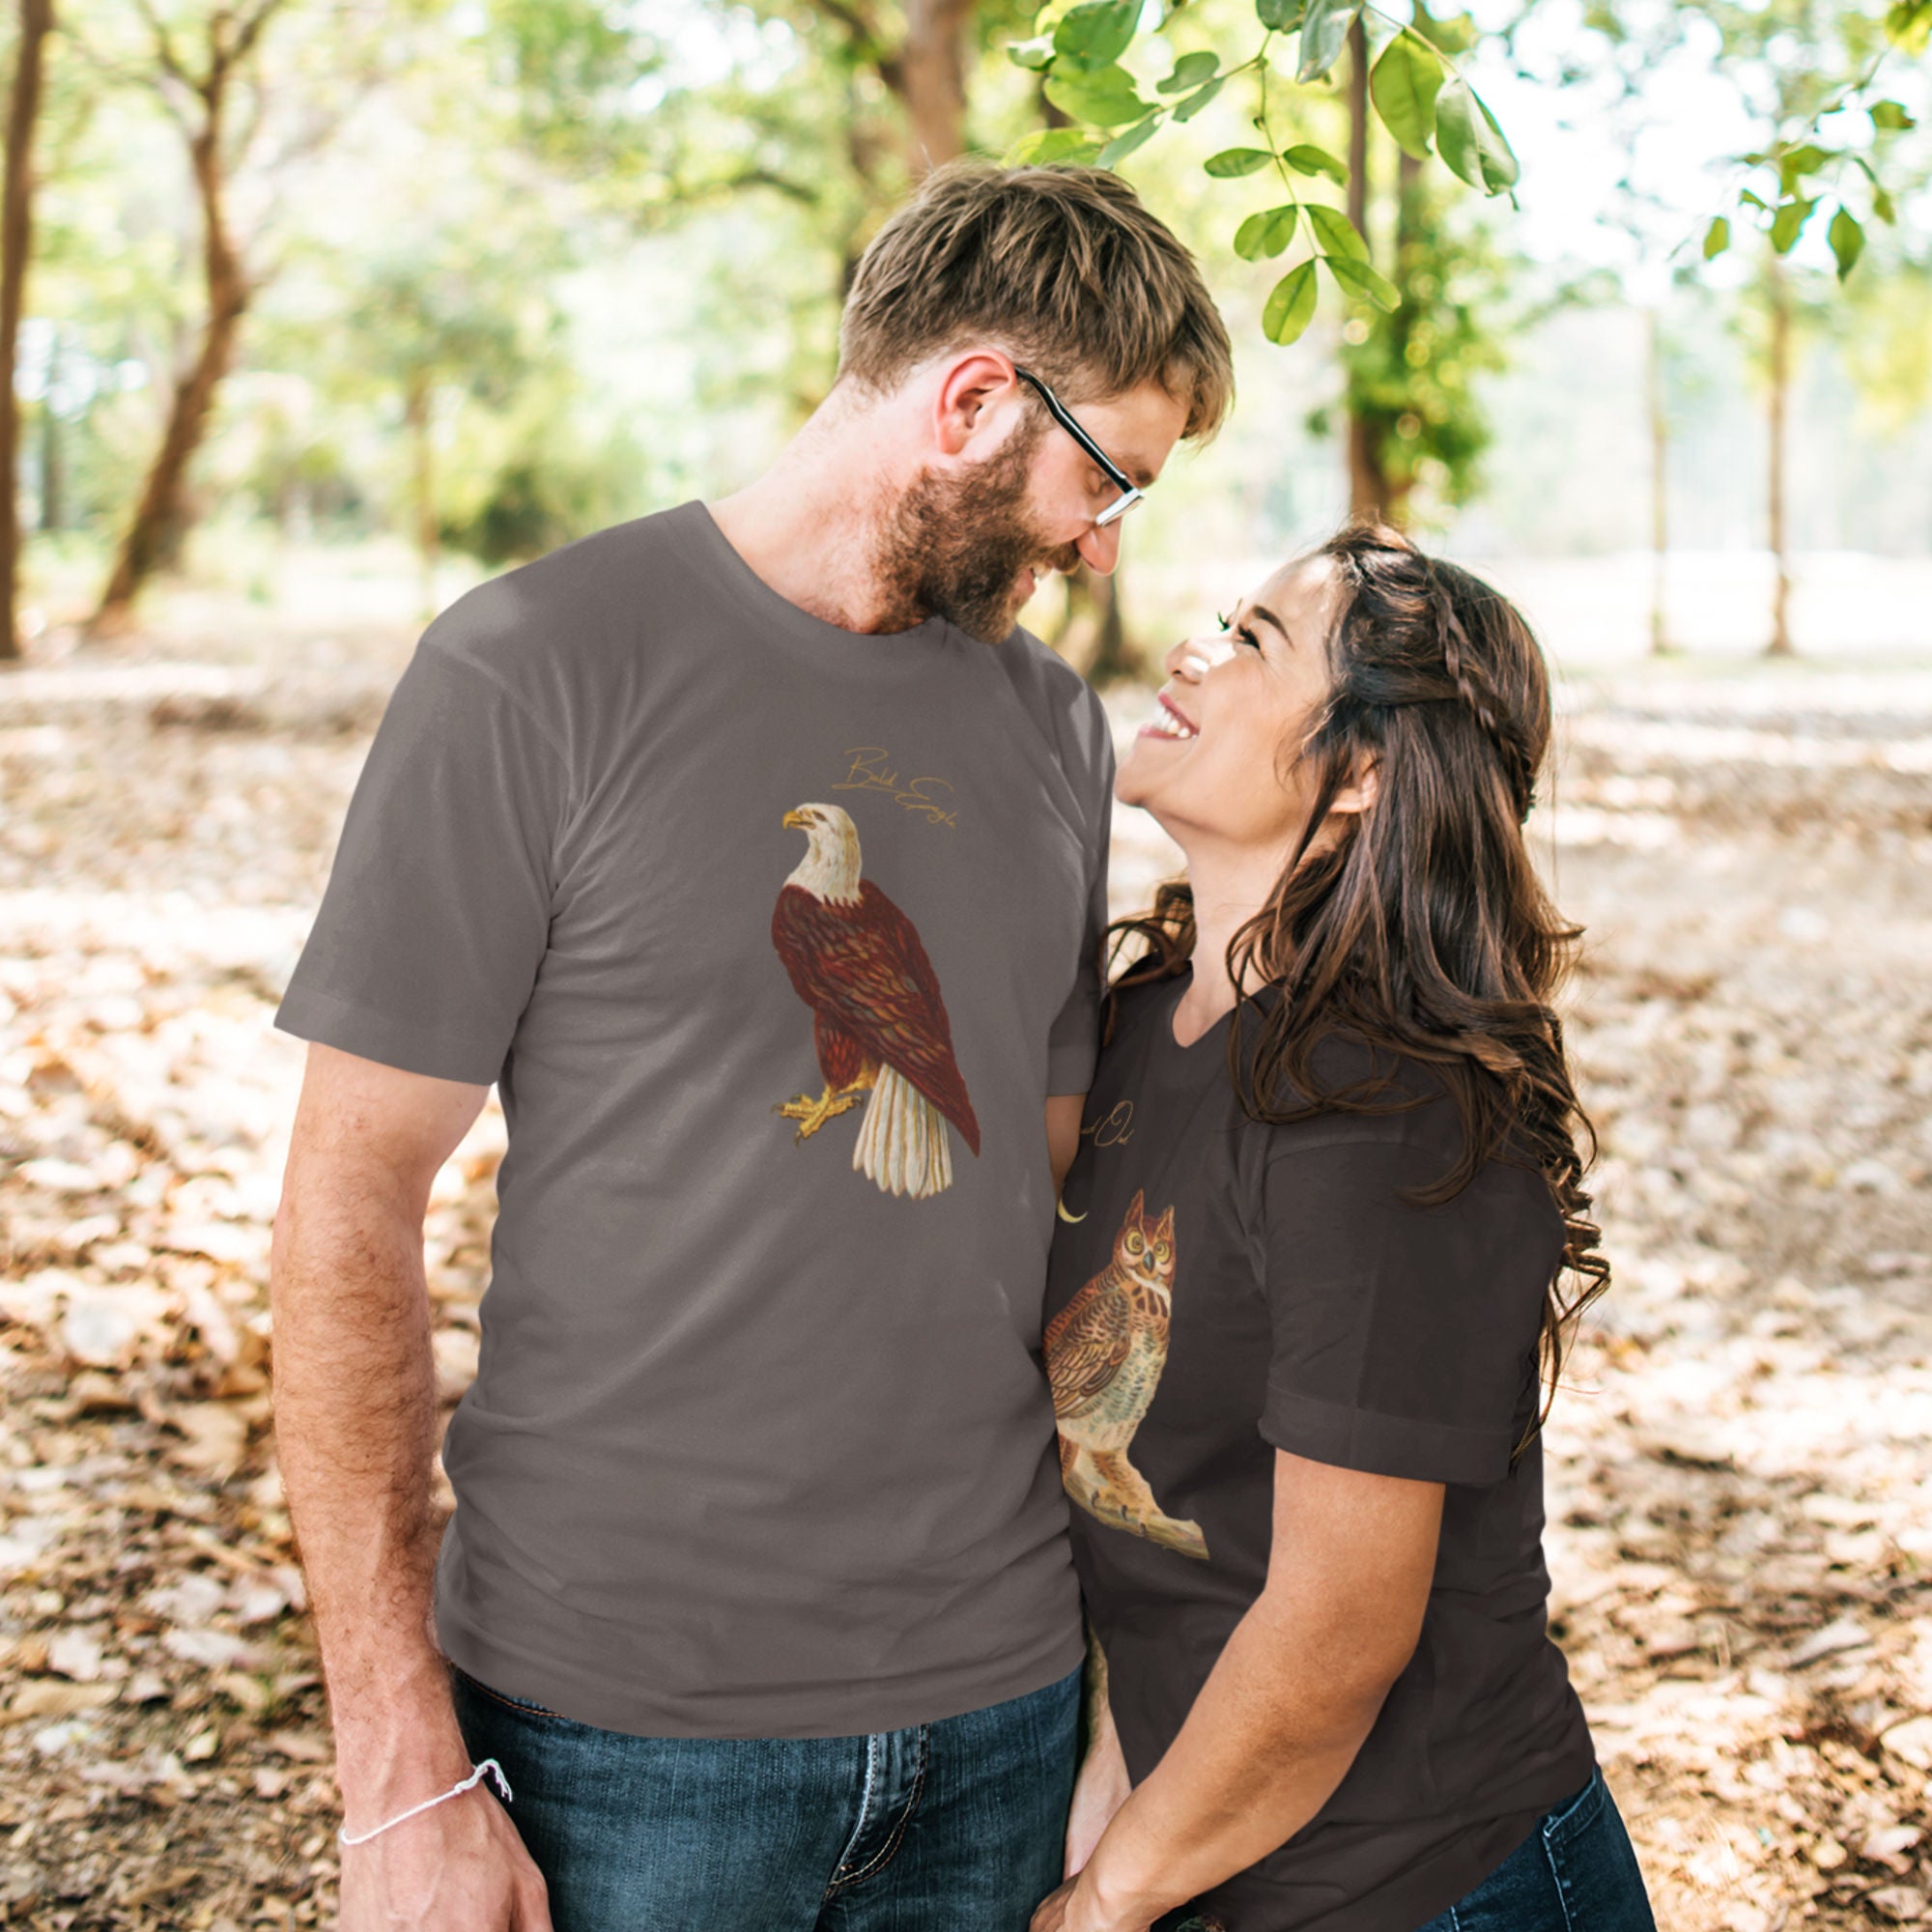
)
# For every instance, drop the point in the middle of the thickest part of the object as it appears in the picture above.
(1575, 1872)
(950, 1827)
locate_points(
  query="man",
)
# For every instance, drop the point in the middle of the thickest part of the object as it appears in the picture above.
(760, 859)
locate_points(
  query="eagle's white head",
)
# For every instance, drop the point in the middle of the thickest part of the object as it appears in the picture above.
(829, 868)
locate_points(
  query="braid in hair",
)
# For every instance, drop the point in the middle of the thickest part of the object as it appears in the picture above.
(1464, 668)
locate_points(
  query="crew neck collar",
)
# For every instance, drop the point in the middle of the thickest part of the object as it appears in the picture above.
(762, 600)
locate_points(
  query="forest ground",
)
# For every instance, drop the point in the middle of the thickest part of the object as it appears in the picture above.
(1740, 1462)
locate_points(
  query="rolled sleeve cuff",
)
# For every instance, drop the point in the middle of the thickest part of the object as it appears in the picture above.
(1070, 1070)
(1384, 1445)
(404, 1044)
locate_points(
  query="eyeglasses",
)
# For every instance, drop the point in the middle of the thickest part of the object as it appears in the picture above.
(1130, 492)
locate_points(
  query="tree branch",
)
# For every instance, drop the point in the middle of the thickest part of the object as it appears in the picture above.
(164, 47)
(253, 24)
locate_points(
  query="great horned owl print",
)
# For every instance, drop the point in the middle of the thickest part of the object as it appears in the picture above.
(1104, 1354)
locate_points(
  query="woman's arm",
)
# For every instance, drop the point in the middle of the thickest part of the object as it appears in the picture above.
(1287, 1706)
(1103, 1784)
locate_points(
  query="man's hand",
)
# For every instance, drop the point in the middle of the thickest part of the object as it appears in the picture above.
(458, 1868)
(1101, 1788)
(1073, 1908)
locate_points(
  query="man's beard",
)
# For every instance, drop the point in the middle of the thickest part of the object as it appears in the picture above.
(955, 547)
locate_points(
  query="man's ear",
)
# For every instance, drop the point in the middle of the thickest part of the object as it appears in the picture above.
(973, 391)
(1362, 789)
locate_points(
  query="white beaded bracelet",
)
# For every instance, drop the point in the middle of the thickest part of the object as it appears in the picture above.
(488, 1768)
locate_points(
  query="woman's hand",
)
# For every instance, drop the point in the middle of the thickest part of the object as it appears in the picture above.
(1073, 1908)
(1098, 1792)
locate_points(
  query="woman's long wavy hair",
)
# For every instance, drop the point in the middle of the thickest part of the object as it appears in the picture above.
(1420, 924)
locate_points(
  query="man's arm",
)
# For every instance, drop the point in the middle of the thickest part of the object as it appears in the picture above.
(355, 1436)
(1287, 1706)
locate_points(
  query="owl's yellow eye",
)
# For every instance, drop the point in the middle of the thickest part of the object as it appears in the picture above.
(1161, 1251)
(1135, 1245)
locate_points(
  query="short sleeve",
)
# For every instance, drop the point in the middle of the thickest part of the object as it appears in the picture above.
(1073, 1044)
(1404, 1336)
(438, 910)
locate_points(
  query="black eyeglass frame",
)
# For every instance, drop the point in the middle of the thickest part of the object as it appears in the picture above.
(1130, 492)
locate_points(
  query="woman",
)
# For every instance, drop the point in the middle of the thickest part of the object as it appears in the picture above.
(1326, 1221)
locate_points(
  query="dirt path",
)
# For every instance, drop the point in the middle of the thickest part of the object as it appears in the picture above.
(1742, 1497)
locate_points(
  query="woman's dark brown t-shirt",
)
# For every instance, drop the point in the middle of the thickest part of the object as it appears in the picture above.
(1222, 1288)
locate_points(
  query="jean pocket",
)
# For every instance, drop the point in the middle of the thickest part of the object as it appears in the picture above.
(1575, 1815)
(523, 1707)
(1596, 1870)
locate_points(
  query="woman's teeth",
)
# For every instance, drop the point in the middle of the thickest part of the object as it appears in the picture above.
(1169, 723)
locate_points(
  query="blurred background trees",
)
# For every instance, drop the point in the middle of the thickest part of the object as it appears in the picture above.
(480, 277)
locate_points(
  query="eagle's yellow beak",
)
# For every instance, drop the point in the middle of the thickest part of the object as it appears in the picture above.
(794, 819)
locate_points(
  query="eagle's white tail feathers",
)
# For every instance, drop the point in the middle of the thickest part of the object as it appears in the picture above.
(902, 1141)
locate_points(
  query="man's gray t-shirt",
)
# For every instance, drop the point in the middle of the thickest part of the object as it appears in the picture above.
(760, 1443)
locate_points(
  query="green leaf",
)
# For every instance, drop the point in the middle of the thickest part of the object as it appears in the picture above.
(1307, 160)
(1095, 35)
(1187, 109)
(1290, 305)
(1472, 143)
(1189, 72)
(1266, 233)
(1359, 279)
(1848, 240)
(1404, 85)
(1279, 17)
(1892, 117)
(1452, 34)
(1716, 238)
(1045, 145)
(1233, 162)
(1797, 162)
(1325, 31)
(1122, 145)
(1034, 55)
(1908, 24)
(1336, 234)
(1747, 199)
(1104, 100)
(1788, 223)
(1883, 206)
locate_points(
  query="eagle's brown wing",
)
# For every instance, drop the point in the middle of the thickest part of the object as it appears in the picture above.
(862, 967)
(1086, 1343)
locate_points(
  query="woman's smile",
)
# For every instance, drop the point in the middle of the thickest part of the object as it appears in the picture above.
(1169, 721)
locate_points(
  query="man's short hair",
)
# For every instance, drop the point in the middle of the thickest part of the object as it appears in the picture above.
(1059, 265)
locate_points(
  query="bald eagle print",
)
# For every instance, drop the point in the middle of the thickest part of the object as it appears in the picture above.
(878, 1022)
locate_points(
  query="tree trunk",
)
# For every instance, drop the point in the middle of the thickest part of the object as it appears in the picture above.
(1092, 636)
(1779, 291)
(932, 80)
(1368, 487)
(416, 413)
(1659, 501)
(1112, 660)
(17, 229)
(161, 518)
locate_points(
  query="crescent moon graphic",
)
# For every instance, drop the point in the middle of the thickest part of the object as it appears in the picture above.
(1071, 1220)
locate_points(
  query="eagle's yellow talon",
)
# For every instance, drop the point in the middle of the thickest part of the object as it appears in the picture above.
(812, 1115)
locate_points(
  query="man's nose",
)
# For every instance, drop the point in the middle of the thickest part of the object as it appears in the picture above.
(1100, 548)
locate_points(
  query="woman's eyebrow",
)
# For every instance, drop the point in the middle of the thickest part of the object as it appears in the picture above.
(1268, 616)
